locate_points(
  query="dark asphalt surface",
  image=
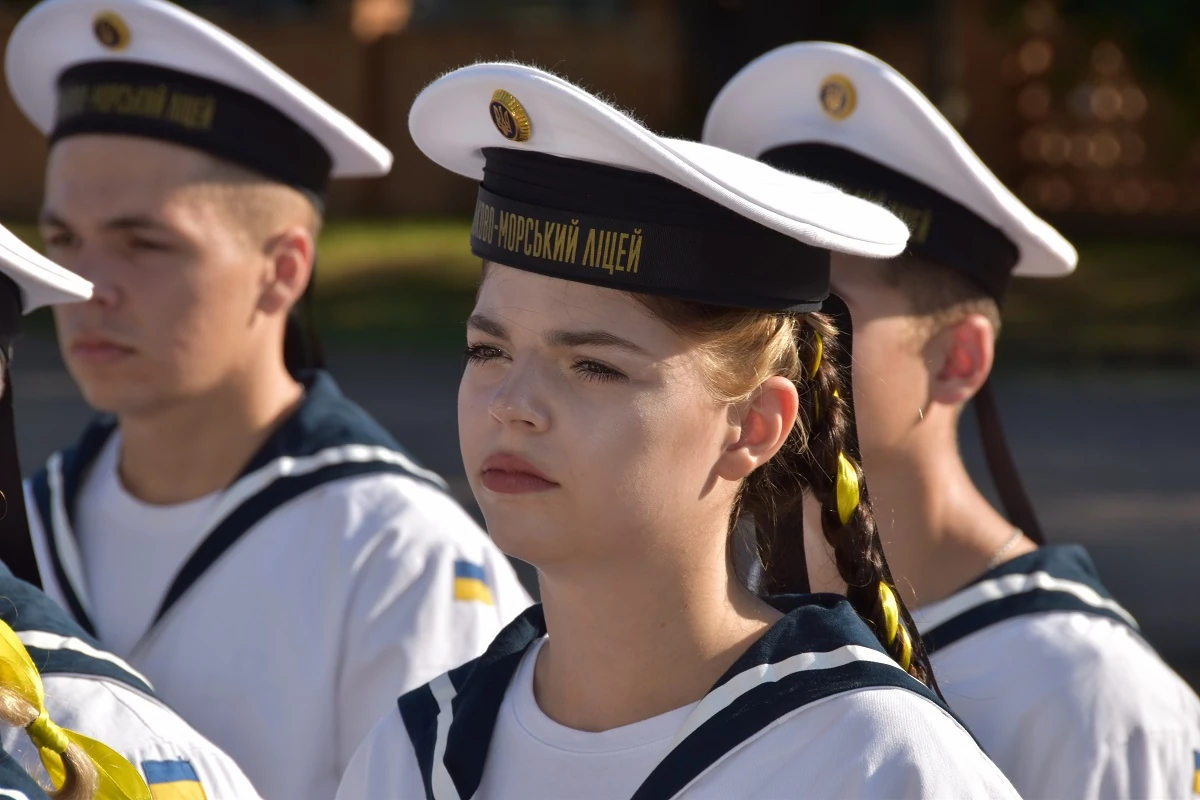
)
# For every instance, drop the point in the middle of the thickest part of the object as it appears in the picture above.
(1110, 459)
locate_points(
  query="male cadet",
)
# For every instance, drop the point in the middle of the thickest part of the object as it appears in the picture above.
(87, 689)
(1046, 669)
(246, 537)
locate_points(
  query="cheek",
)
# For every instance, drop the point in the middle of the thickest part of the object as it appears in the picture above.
(473, 421)
(651, 455)
(890, 382)
(197, 305)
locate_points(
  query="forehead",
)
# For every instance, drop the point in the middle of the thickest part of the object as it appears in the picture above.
(537, 304)
(111, 171)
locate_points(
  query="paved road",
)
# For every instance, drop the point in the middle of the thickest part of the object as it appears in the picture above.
(1110, 459)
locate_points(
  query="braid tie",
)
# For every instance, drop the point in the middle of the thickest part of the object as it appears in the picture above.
(46, 734)
(906, 648)
(19, 676)
(891, 611)
(819, 344)
(894, 630)
(847, 488)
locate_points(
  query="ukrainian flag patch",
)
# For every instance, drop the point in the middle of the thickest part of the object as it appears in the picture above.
(173, 780)
(1196, 772)
(470, 583)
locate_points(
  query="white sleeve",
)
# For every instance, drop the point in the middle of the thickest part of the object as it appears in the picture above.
(1075, 705)
(408, 617)
(385, 765)
(874, 743)
(142, 729)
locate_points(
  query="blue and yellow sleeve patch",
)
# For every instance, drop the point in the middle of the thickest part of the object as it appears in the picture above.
(173, 780)
(1196, 772)
(470, 583)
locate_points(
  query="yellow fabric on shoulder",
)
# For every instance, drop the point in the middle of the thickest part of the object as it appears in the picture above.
(470, 583)
(173, 780)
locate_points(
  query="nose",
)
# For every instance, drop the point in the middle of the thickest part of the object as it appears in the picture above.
(516, 402)
(96, 267)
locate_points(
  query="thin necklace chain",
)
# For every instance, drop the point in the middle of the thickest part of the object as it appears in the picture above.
(1004, 548)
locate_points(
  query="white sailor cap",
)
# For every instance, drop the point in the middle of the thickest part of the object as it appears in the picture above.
(150, 68)
(41, 281)
(574, 188)
(835, 113)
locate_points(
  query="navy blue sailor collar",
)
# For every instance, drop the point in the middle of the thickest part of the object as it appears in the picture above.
(820, 648)
(1051, 578)
(327, 438)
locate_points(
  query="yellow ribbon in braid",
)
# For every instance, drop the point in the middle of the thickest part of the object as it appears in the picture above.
(847, 488)
(891, 610)
(119, 780)
(905, 648)
(891, 621)
(816, 365)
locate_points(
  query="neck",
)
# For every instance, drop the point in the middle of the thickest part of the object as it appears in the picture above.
(939, 531)
(628, 643)
(199, 445)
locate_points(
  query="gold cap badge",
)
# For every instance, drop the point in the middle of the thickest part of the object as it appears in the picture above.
(111, 31)
(838, 97)
(509, 117)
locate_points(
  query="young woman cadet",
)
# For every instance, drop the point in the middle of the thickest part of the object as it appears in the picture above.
(646, 368)
(1031, 650)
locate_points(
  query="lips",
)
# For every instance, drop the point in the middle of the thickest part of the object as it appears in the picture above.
(508, 474)
(98, 349)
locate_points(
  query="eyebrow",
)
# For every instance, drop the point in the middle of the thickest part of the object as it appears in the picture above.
(127, 223)
(560, 338)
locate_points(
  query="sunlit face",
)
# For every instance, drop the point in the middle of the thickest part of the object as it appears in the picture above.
(891, 377)
(586, 429)
(177, 282)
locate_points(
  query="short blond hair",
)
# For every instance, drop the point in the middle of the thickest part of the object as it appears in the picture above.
(940, 294)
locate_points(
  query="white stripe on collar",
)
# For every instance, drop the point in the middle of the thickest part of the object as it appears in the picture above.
(291, 467)
(46, 640)
(64, 537)
(935, 614)
(727, 693)
(443, 692)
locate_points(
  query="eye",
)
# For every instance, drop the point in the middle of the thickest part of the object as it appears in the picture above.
(591, 370)
(480, 353)
(138, 243)
(59, 239)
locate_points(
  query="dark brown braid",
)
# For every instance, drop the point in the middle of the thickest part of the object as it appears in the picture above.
(744, 347)
(857, 549)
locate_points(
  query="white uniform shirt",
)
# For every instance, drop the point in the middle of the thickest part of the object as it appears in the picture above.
(111, 524)
(863, 741)
(340, 594)
(1059, 688)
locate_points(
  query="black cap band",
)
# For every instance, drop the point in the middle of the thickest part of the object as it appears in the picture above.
(629, 230)
(943, 230)
(125, 97)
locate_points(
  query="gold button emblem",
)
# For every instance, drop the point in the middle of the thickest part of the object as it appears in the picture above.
(838, 97)
(111, 31)
(509, 117)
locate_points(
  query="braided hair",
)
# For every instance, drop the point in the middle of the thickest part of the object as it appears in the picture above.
(741, 348)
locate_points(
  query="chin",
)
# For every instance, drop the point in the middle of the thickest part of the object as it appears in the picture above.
(525, 534)
(116, 394)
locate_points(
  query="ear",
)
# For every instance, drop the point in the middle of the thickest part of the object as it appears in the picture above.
(961, 359)
(290, 263)
(759, 427)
